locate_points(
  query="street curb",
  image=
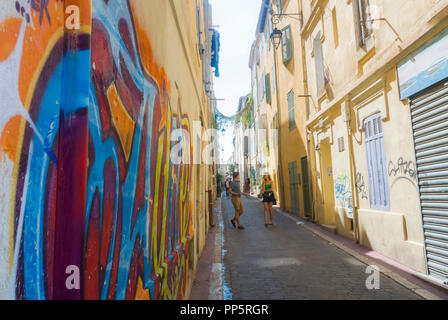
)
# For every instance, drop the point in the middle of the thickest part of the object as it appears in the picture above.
(384, 270)
(216, 277)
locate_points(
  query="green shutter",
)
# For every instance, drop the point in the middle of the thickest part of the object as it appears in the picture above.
(291, 113)
(268, 88)
(286, 44)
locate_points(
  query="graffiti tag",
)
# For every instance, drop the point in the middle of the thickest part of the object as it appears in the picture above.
(361, 186)
(403, 170)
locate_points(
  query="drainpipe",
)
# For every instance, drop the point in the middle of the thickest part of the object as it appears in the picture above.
(346, 111)
(309, 134)
(281, 189)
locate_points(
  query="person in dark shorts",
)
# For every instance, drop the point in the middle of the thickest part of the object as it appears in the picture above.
(235, 191)
(247, 186)
(268, 199)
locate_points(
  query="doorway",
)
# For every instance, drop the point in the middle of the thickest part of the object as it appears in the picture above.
(328, 217)
(306, 188)
(294, 187)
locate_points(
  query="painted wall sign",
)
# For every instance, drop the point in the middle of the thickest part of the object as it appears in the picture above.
(425, 67)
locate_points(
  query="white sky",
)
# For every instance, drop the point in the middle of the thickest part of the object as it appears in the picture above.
(238, 21)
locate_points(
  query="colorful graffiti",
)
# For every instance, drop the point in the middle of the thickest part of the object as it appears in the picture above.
(138, 208)
(85, 146)
(343, 193)
(31, 60)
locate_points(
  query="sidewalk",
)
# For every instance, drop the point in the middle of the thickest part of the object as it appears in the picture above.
(208, 280)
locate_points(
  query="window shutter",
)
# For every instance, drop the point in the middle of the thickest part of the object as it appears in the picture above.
(268, 89)
(268, 34)
(291, 113)
(319, 63)
(286, 44)
(376, 161)
(198, 28)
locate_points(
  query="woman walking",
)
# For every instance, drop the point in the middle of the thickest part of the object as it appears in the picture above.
(268, 199)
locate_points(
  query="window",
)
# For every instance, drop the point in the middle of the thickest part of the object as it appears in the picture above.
(291, 112)
(319, 63)
(261, 87)
(268, 89)
(365, 30)
(274, 79)
(268, 34)
(286, 44)
(341, 144)
(198, 28)
(376, 162)
(274, 130)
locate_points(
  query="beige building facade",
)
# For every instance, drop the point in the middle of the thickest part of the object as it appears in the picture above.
(375, 90)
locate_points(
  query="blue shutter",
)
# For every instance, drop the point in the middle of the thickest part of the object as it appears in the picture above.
(376, 163)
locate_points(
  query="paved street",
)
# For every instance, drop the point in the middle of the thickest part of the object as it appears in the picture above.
(287, 261)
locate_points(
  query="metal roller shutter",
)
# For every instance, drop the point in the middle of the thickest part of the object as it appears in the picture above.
(429, 113)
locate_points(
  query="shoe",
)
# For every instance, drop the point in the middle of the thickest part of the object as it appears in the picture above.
(233, 223)
(241, 227)
(266, 225)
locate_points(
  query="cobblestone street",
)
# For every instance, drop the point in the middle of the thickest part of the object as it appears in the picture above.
(287, 261)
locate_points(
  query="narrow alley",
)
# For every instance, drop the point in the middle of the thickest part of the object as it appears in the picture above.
(132, 131)
(287, 261)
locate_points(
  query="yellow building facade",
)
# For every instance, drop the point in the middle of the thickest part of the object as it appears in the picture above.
(364, 125)
(280, 86)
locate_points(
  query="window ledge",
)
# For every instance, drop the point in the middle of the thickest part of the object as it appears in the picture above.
(364, 53)
(367, 103)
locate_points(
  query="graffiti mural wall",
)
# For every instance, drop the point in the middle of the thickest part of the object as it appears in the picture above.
(85, 145)
(31, 64)
(138, 222)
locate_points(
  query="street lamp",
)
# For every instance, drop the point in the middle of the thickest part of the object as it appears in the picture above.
(276, 37)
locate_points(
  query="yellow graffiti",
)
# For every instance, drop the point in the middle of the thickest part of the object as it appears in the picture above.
(172, 281)
(122, 120)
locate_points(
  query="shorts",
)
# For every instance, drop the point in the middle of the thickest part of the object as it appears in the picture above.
(268, 196)
(237, 203)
